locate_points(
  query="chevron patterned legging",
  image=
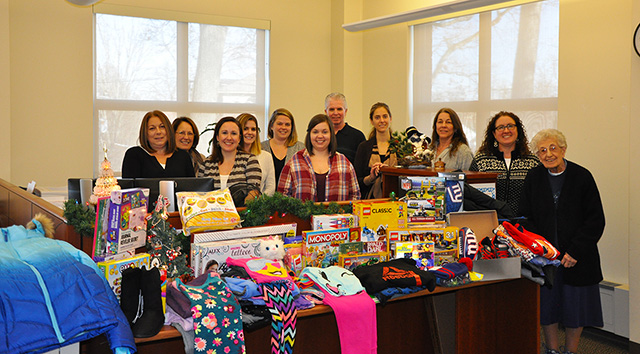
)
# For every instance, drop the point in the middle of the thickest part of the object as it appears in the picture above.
(284, 314)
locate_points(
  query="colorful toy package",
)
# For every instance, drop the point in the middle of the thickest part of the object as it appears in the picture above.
(203, 211)
(445, 241)
(214, 254)
(425, 198)
(322, 248)
(421, 251)
(113, 269)
(120, 225)
(376, 217)
(333, 221)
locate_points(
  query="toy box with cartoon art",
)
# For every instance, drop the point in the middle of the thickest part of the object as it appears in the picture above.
(321, 248)
(421, 251)
(293, 259)
(425, 198)
(445, 241)
(120, 224)
(113, 269)
(351, 262)
(333, 221)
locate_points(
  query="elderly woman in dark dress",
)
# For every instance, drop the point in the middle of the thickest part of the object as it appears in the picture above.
(562, 203)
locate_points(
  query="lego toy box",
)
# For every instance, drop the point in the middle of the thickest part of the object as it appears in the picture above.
(120, 225)
(375, 218)
(334, 221)
(113, 269)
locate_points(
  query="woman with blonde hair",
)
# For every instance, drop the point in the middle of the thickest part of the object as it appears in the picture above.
(250, 132)
(283, 139)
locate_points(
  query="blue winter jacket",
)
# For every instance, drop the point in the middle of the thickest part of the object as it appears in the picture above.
(52, 295)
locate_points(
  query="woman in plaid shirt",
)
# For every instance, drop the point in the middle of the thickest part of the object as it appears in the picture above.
(319, 173)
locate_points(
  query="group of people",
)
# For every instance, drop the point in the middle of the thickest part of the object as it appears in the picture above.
(558, 198)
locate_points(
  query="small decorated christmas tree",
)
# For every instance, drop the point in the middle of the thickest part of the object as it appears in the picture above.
(106, 182)
(168, 248)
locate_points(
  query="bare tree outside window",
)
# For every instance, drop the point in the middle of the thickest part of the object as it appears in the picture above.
(480, 64)
(183, 69)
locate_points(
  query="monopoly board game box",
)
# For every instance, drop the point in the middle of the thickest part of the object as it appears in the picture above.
(322, 248)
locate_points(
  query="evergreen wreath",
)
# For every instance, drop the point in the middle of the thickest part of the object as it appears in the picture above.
(261, 209)
(81, 217)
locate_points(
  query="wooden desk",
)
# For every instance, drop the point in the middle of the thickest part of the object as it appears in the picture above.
(390, 177)
(484, 317)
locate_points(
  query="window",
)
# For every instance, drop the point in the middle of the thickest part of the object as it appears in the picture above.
(200, 70)
(478, 65)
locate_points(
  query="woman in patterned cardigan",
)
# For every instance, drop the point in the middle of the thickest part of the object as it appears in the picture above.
(505, 151)
(228, 164)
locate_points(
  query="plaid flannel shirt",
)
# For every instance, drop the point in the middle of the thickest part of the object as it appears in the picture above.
(298, 179)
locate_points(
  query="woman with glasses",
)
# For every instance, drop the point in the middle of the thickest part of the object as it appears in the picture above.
(505, 151)
(187, 138)
(449, 141)
(157, 155)
(561, 202)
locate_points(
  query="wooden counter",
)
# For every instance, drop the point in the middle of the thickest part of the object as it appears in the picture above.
(483, 317)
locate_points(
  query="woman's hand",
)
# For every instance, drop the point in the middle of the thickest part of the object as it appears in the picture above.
(375, 169)
(568, 261)
(251, 196)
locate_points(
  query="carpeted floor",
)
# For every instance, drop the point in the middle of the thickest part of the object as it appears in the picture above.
(596, 341)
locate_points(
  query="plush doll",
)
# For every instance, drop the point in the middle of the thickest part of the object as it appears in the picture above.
(272, 248)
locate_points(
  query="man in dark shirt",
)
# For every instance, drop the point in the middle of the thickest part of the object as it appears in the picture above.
(348, 137)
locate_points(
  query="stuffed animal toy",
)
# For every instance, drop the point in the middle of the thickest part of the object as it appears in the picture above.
(47, 225)
(420, 143)
(272, 248)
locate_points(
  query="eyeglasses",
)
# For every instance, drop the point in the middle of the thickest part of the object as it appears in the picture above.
(503, 127)
(185, 133)
(543, 151)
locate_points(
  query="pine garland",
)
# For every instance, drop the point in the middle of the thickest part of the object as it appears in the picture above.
(81, 217)
(260, 209)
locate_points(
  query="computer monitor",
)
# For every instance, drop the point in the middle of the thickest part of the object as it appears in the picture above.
(180, 184)
(73, 186)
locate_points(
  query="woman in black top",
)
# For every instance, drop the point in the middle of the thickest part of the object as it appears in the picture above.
(157, 155)
(373, 153)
